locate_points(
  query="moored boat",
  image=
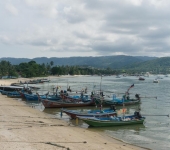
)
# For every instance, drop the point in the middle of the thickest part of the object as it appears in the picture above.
(10, 88)
(65, 103)
(112, 121)
(82, 97)
(14, 94)
(92, 113)
(34, 97)
(118, 101)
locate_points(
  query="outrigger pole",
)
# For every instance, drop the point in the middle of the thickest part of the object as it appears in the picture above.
(155, 115)
(148, 97)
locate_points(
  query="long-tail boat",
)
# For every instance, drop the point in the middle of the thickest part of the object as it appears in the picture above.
(92, 113)
(112, 121)
(118, 101)
(14, 94)
(65, 104)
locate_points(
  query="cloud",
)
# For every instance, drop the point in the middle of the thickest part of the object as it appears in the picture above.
(4, 39)
(12, 9)
(87, 27)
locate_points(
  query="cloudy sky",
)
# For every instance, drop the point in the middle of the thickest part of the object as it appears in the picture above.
(66, 28)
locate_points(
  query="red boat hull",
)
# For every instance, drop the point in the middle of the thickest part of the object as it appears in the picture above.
(60, 104)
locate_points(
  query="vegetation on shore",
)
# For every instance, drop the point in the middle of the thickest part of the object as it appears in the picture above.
(34, 69)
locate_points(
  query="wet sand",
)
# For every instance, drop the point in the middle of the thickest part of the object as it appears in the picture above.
(25, 128)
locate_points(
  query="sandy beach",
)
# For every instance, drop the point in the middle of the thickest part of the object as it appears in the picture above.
(25, 128)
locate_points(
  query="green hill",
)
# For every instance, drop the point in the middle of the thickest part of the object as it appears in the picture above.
(159, 65)
(113, 62)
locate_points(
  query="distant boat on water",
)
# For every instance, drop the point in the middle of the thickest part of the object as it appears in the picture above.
(146, 75)
(141, 78)
(156, 81)
(118, 76)
(159, 77)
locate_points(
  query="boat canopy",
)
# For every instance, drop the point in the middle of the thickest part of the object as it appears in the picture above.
(12, 87)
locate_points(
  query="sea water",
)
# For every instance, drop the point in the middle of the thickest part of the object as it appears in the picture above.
(155, 101)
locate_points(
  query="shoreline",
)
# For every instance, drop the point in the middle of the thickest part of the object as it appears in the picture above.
(9, 81)
(24, 127)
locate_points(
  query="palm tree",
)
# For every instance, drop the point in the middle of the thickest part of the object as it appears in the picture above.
(51, 63)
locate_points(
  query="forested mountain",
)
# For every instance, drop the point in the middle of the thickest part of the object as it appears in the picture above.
(113, 62)
(159, 65)
(85, 66)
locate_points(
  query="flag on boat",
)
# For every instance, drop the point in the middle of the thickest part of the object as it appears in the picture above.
(130, 87)
(122, 111)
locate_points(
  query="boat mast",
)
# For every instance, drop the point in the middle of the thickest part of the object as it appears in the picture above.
(101, 95)
(100, 83)
(123, 110)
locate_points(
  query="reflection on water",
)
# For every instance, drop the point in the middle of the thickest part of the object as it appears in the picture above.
(154, 134)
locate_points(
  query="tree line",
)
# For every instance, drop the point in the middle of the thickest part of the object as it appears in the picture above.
(32, 69)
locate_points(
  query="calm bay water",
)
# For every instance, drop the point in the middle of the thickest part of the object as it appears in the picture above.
(154, 134)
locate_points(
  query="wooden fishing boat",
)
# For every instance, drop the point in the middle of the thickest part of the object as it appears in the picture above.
(22, 94)
(9, 92)
(92, 113)
(51, 97)
(4, 92)
(126, 100)
(34, 97)
(31, 97)
(84, 97)
(14, 95)
(10, 88)
(27, 94)
(112, 121)
(65, 103)
(120, 103)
